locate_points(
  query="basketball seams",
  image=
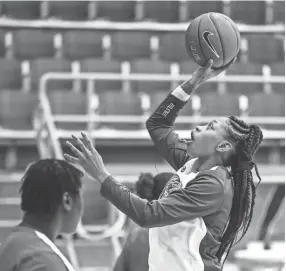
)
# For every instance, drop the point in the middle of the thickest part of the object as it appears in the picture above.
(235, 31)
(219, 36)
(198, 33)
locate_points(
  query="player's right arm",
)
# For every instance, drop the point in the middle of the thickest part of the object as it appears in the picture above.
(160, 127)
(160, 124)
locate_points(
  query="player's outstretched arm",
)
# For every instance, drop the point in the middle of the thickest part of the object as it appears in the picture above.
(201, 197)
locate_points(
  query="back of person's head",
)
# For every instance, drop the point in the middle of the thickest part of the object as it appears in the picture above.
(49, 184)
(150, 187)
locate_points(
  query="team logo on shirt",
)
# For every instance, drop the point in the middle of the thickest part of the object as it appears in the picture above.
(172, 185)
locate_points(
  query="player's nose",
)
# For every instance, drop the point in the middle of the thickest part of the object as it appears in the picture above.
(198, 128)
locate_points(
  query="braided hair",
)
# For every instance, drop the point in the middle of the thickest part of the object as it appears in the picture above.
(248, 138)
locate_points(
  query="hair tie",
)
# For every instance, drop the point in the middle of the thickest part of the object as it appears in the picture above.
(247, 165)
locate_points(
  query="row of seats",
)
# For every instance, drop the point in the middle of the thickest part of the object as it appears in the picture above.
(16, 109)
(123, 45)
(19, 156)
(248, 12)
(26, 75)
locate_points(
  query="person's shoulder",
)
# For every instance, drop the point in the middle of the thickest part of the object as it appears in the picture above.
(41, 260)
(216, 174)
(22, 244)
(22, 238)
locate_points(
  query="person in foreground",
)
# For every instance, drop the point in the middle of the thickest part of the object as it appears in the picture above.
(51, 199)
(207, 205)
(134, 255)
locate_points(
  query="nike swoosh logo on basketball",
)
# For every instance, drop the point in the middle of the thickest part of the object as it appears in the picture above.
(206, 35)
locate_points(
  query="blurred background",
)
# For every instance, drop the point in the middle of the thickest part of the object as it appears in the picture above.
(102, 55)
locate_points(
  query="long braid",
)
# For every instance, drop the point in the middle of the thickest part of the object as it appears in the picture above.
(249, 138)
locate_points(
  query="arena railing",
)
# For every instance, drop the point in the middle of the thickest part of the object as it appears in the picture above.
(92, 118)
(128, 26)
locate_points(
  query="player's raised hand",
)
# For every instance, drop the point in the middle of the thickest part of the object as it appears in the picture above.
(205, 73)
(88, 158)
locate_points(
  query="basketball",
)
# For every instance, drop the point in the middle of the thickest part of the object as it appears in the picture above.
(212, 36)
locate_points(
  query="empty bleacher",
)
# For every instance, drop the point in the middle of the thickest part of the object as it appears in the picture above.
(126, 39)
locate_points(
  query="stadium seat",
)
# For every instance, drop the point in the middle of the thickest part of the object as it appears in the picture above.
(122, 11)
(221, 105)
(187, 67)
(69, 10)
(263, 104)
(279, 12)
(244, 69)
(265, 49)
(172, 47)
(35, 43)
(278, 69)
(262, 200)
(68, 103)
(26, 155)
(130, 45)
(156, 98)
(248, 12)
(16, 109)
(10, 74)
(28, 10)
(161, 11)
(45, 65)
(102, 65)
(150, 66)
(196, 8)
(82, 44)
(120, 103)
(2, 44)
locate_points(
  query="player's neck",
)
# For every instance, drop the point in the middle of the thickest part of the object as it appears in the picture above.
(205, 163)
(44, 224)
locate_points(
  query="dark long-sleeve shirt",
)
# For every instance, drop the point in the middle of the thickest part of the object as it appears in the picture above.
(23, 250)
(196, 210)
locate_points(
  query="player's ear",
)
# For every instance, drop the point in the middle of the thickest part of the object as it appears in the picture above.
(224, 146)
(67, 202)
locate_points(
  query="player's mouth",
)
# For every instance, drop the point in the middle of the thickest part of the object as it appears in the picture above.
(192, 135)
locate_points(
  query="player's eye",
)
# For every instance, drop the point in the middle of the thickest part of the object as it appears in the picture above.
(210, 125)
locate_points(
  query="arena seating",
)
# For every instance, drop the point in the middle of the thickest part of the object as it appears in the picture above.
(82, 44)
(150, 66)
(130, 45)
(253, 12)
(195, 8)
(63, 10)
(21, 9)
(103, 65)
(115, 11)
(172, 47)
(17, 109)
(10, 74)
(37, 37)
(155, 11)
(41, 66)
(245, 69)
(30, 44)
(265, 49)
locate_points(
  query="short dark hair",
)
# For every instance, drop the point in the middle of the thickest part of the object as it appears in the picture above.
(44, 184)
(150, 187)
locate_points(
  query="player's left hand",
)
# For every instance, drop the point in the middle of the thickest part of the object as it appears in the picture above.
(88, 158)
